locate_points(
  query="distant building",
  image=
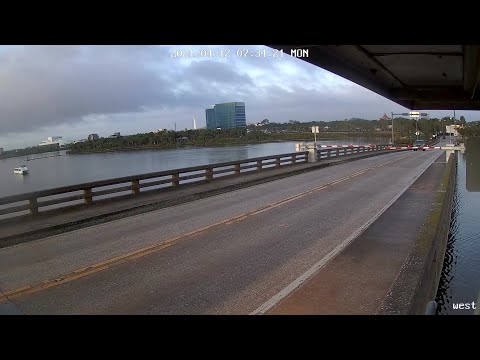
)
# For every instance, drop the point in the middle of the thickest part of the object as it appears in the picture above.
(115, 135)
(226, 116)
(453, 129)
(210, 117)
(1, 150)
(93, 137)
(52, 140)
(385, 117)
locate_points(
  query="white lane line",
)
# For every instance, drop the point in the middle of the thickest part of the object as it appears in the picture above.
(276, 299)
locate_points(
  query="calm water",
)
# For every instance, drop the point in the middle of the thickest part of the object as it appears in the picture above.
(55, 171)
(460, 281)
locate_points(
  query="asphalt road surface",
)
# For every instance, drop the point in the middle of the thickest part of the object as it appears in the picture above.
(227, 254)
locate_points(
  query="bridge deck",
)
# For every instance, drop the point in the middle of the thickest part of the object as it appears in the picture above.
(358, 280)
(58, 221)
(226, 254)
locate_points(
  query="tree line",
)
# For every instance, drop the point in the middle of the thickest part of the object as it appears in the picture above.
(404, 132)
(471, 130)
(29, 151)
(404, 128)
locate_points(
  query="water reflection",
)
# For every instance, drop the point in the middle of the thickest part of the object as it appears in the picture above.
(444, 293)
(473, 164)
(52, 171)
(460, 279)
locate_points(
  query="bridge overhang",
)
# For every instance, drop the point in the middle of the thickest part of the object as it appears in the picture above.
(418, 77)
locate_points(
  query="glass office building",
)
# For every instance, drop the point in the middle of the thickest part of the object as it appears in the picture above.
(226, 116)
(211, 122)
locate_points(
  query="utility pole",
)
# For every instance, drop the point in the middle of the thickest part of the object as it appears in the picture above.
(392, 130)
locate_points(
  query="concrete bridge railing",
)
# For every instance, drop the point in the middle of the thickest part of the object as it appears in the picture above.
(89, 193)
(317, 153)
(327, 153)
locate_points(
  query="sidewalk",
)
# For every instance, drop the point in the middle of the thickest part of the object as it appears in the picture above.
(27, 228)
(360, 279)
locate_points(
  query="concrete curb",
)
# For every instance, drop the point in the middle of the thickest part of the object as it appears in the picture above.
(418, 280)
(135, 210)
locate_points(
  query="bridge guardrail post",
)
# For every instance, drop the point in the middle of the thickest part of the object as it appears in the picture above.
(259, 165)
(33, 206)
(312, 153)
(209, 173)
(277, 162)
(237, 169)
(175, 179)
(87, 196)
(135, 187)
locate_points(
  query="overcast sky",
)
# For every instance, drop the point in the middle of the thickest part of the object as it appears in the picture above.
(72, 91)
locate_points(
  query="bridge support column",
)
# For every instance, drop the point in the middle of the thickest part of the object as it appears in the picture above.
(312, 153)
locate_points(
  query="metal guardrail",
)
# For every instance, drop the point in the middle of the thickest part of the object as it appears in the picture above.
(89, 193)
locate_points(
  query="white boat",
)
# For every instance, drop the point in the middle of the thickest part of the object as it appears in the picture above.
(22, 170)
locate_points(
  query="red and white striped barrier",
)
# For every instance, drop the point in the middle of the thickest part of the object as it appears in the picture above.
(413, 147)
(399, 147)
(347, 146)
(409, 147)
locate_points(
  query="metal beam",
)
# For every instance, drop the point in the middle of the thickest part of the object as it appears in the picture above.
(471, 70)
(433, 53)
(357, 64)
(444, 105)
(329, 57)
(378, 63)
(438, 93)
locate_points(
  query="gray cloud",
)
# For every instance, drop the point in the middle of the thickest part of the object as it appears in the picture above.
(44, 86)
(58, 90)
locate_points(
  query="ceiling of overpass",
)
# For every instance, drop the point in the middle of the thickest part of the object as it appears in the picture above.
(419, 77)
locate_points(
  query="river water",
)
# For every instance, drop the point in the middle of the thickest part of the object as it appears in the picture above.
(54, 171)
(460, 280)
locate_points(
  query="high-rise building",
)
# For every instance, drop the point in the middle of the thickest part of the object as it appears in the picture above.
(226, 116)
(211, 122)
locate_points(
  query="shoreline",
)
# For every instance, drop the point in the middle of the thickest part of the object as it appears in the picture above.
(213, 145)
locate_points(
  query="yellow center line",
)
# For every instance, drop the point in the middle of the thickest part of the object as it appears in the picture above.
(103, 265)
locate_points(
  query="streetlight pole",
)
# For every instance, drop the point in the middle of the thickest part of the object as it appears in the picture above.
(392, 131)
(416, 128)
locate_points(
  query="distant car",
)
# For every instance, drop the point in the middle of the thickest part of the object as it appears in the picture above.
(419, 143)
